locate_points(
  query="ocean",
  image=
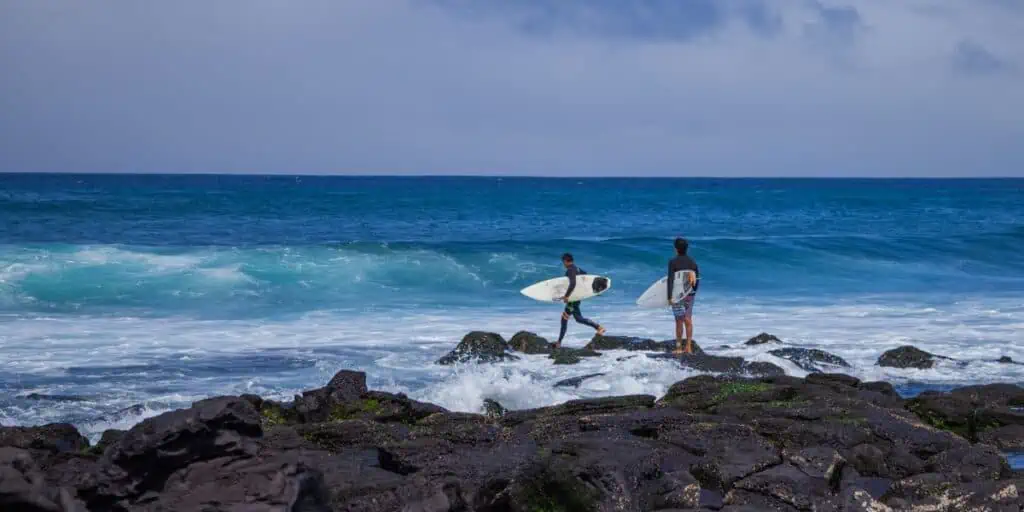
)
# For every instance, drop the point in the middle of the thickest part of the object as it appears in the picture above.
(124, 296)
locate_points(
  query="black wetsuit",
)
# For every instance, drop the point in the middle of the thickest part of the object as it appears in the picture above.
(573, 308)
(682, 262)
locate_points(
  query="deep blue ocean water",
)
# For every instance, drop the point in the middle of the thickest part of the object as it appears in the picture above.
(147, 292)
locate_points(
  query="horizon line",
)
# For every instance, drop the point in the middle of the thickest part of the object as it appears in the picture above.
(511, 176)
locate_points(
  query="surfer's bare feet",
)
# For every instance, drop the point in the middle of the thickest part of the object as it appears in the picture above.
(600, 331)
(678, 350)
(556, 345)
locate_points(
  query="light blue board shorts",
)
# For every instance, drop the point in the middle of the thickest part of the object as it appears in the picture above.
(684, 308)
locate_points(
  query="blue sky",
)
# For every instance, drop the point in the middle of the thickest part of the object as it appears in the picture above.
(536, 87)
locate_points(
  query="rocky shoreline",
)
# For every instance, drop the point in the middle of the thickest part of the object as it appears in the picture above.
(746, 438)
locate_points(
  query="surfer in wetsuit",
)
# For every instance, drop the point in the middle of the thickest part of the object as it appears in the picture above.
(573, 308)
(682, 310)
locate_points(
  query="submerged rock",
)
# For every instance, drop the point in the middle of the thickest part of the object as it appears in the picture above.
(55, 398)
(810, 359)
(483, 347)
(908, 357)
(529, 343)
(763, 338)
(566, 355)
(576, 381)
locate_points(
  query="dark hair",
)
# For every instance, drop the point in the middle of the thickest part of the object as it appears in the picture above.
(681, 245)
(567, 257)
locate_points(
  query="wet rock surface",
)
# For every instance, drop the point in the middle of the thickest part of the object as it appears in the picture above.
(989, 413)
(635, 344)
(908, 357)
(575, 382)
(723, 365)
(810, 359)
(763, 338)
(565, 355)
(827, 442)
(529, 343)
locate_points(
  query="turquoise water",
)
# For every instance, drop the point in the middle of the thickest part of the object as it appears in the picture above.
(151, 291)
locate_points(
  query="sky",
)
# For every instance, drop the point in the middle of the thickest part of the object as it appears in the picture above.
(514, 87)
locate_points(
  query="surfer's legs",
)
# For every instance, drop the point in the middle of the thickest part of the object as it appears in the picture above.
(565, 324)
(679, 335)
(689, 334)
(688, 322)
(572, 310)
(683, 313)
(579, 318)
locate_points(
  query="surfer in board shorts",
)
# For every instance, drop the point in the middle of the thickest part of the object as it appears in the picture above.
(682, 309)
(572, 309)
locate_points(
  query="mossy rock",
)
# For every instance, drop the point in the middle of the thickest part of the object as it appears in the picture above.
(355, 409)
(273, 414)
(740, 388)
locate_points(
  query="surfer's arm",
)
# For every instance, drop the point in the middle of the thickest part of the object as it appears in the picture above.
(670, 279)
(571, 274)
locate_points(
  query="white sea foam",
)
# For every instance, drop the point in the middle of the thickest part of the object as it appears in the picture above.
(172, 361)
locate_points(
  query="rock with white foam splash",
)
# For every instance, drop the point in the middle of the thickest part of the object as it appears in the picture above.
(480, 347)
(908, 357)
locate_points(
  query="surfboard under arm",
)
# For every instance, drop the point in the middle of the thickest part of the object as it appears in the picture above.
(654, 296)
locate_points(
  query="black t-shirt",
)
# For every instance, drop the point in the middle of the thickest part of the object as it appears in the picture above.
(682, 262)
(571, 273)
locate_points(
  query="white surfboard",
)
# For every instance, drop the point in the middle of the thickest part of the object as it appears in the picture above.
(654, 297)
(552, 290)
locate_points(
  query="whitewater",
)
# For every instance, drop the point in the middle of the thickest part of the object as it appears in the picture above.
(122, 297)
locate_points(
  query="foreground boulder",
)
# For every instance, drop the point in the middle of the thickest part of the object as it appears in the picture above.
(152, 450)
(908, 357)
(810, 359)
(482, 347)
(828, 442)
(57, 437)
(23, 486)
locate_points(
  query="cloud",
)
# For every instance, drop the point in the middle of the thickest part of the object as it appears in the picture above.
(973, 58)
(835, 22)
(643, 20)
(541, 87)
